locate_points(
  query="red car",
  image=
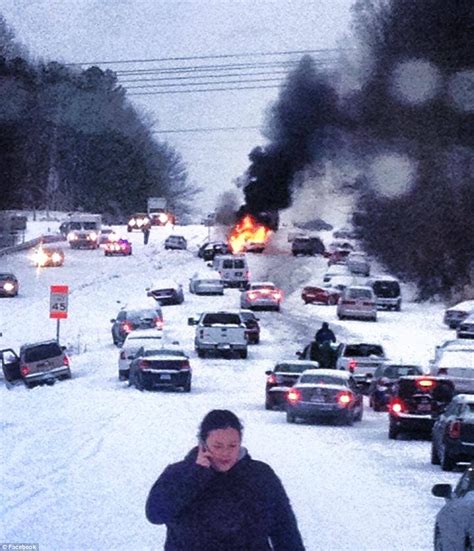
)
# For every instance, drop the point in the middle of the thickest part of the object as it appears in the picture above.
(320, 295)
(120, 247)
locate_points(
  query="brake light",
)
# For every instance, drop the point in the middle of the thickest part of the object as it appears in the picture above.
(24, 370)
(127, 327)
(185, 365)
(454, 430)
(344, 398)
(277, 295)
(271, 379)
(425, 385)
(66, 361)
(252, 296)
(159, 323)
(293, 396)
(352, 365)
(396, 406)
(143, 364)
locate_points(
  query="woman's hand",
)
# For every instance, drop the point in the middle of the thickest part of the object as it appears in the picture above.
(203, 457)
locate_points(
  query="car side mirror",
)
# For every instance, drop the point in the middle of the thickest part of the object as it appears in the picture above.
(299, 354)
(113, 321)
(192, 321)
(268, 372)
(63, 348)
(209, 264)
(442, 490)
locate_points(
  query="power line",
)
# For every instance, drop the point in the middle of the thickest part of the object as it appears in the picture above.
(210, 129)
(176, 84)
(225, 75)
(216, 56)
(204, 90)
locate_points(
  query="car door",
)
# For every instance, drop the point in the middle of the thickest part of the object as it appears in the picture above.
(10, 365)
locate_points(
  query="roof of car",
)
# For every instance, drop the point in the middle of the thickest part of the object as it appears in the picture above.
(340, 373)
(262, 283)
(174, 236)
(149, 333)
(363, 287)
(464, 305)
(209, 274)
(302, 362)
(164, 284)
(39, 343)
(382, 277)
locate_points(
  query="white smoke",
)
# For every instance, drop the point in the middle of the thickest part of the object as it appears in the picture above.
(392, 174)
(415, 82)
(461, 91)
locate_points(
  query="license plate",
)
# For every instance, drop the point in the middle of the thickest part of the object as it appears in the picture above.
(318, 399)
(424, 407)
(165, 376)
(223, 346)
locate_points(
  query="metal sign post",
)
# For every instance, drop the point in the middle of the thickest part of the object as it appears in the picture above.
(58, 304)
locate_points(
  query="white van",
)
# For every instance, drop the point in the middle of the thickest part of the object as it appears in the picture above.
(233, 268)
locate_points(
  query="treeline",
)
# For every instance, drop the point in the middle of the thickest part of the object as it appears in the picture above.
(400, 124)
(70, 139)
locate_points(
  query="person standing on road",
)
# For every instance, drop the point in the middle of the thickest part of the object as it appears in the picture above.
(324, 334)
(146, 233)
(220, 499)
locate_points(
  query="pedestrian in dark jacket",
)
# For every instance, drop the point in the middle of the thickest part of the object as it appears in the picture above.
(146, 233)
(220, 499)
(324, 334)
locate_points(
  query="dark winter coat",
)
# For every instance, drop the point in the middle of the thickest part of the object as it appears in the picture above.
(244, 508)
(325, 335)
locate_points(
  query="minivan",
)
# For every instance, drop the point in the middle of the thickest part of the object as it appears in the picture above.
(233, 269)
(387, 292)
(357, 302)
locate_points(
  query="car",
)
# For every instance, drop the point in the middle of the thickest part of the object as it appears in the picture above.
(383, 379)
(336, 270)
(48, 257)
(452, 439)
(134, 341)
(120, 247)
(165, 367)
(307, 245)
(320, 294)
(362, 359)
(281, 378)
(129, 320)
(465, 329)
(262, 295)
(206, 283)
(9, 285)
(338, 256)
(344, 233)
(324, 393)
(358, 263)
(138, 221)
(207, 251)
(454, 526)
(457, 364)
(415, 403)
(107, 235)
(234, 269)
(252, 327)
(166, 291)
(454, 315)
(253, 247)
(387, 292)
(176, 242)
(357, 301)
(36, 363)
(339, 245)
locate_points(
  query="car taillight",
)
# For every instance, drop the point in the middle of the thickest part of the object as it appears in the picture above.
(24, 370)
(271, 379)
(351, 365)
(143, 364)
(252, 296)
(185, 365)
(344, 398)
(425, 385)
(454, 430)
(159, 323)
(277, 295)
(396, 406)
(66, 361)
(293, 396)
(127, 327)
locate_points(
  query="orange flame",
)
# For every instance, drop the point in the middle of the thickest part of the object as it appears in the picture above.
(247, 230)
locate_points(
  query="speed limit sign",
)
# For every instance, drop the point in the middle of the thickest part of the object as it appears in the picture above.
(58, 301)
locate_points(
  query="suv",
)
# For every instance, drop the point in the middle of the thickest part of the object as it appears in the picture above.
(41, 362)
(387, 292)
(307, 246)
(382, 382)
(361, 359)
(357, 301)
(233, 269)
(416, 402)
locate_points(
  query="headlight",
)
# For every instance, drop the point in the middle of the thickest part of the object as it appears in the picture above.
(71, 236)
(8, 286)
(56, 257)
(93, 236)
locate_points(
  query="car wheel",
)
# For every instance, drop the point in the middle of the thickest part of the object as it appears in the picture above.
(340, 316)
(392, 431)
(200, 353)
(268, 404)
(332, 301)
(438, 546)
(257, 340)
(290, 417)
(348, 418)
(376, 405)
(244, 354)
(374, 318)
(360, 414)
(447, 461)
(434, 454)
(187, 387)
(398, 307)
(67, 375)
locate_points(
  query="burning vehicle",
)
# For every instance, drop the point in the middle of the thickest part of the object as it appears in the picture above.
(249, 235)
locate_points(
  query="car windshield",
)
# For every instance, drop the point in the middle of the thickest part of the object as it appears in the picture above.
(42, 352)
(221, 319)
(456, 358)
(292, 368)
(364, 350)
(322, 380)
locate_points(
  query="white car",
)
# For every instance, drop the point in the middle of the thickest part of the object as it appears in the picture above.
(166, 291)
(206, 283)
(358, 302)
(459, 312)
(261, 294)
(141, 338)
(465, 329)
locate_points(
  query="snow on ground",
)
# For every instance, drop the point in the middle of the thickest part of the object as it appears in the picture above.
(78, 458)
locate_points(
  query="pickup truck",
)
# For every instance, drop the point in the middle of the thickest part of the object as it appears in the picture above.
(221, 332)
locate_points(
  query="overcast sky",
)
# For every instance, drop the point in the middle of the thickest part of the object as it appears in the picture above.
(92, 31)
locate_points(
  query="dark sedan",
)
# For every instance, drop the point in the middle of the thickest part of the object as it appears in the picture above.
(281, 378)
(454, 526)
(453, 433)
(133, 319)
(163, 368)
(325, 393)
(381, 384)
(8, 285)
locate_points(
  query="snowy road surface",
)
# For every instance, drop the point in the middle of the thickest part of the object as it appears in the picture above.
(78, 458)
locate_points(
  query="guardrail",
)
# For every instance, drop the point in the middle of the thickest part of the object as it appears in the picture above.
(32, 243)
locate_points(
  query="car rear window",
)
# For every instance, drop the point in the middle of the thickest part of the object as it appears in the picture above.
(227, 264)
(390, 288)
(401, 371)
(221, 319)
(322, 380)
(364, 350)
(42, 352)
(292, 368)
(141, 314)
(359, 293)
